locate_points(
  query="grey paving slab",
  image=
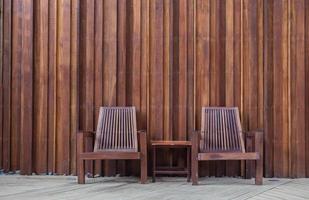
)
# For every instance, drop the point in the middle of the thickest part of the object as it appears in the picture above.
(127, 188)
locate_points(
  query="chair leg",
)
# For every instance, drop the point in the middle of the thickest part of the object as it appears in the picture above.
(81, 172)
(194, 171)
(143, 170)
(188, 165)
(154, 164)
(194, 158)
(258, 172)
(259, 163)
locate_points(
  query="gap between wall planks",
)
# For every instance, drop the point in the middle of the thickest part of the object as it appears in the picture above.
(61, 60)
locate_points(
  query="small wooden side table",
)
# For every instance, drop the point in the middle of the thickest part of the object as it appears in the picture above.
(170, 170)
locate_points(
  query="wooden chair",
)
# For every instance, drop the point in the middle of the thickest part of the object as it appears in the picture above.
(221, 138)
(116, 138)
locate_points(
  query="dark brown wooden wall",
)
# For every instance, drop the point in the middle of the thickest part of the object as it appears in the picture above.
(61, 60)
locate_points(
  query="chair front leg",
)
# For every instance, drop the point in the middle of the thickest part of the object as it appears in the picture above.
(259, 163)
(143, 152)
(194, 157)
(81, 171)
(80, 161)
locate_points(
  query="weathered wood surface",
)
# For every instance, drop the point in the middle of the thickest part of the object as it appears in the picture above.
(48, 188)
(62, 60)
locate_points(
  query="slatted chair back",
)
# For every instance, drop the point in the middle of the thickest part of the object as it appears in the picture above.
(221, 130)
(116, 129)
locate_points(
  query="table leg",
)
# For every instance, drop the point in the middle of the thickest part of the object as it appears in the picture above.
(153, 164)
(188, 165)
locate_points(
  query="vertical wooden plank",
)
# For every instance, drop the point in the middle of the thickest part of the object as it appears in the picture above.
(145, 65)
(280, 78)
(268, 88)
(52, 84)
(202, 64)
(156, 70)
(297, 73)
(122, 29)
(145, 59)
(7, 55)
(135, 44)
(230, 72)
(191, 6)
(1, 83)
(251, 67)
(183, 67)
(98, 65)
(168, 32)
(237, 66)
(16, 74)
(63, 87)
(229, 53)
(260, 75)
(121, 52)
(191, 23)
(75, 21)
(217, 63)
(136, 56)
(26, 116)
(87, 73)
(168, 68)
(40, 100)
(110, 63)
(214, 51)
(307, 86)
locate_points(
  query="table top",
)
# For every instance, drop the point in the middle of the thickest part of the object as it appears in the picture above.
(170, 143)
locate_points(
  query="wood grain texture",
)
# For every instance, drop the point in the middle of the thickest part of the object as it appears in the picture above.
(16, 69)
(40, 87)
(64, 59)
(26, 82)
(1, 78)
(63, 78)
(6, 73)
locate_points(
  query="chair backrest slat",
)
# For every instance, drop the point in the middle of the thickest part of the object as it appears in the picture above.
(221, 130)
(116, 129)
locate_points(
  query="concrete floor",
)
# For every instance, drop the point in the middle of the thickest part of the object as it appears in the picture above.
(120, 188)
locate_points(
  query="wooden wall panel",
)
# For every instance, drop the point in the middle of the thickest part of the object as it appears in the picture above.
(297, 89)
(75, 26)
(63, 77)
(40, 66)
(6, 74)
(280, 81)
(26, 88)
(98, 61)
(16, 69)
(268, 88)
(307, 85)
(52, 86)
(1, 83)
(61, 60)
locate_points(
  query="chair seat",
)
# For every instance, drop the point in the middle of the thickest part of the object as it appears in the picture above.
(110, 155)
(229, 156)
